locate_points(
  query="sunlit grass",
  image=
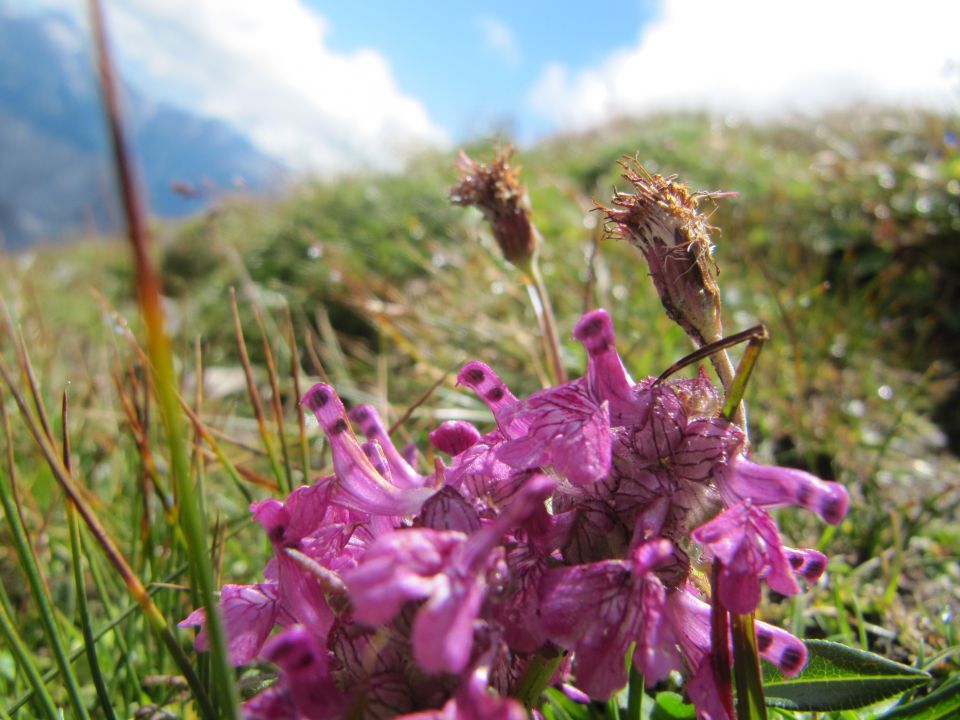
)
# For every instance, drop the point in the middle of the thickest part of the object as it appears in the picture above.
(390, 291)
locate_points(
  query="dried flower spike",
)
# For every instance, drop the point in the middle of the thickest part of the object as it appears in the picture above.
(495, 189)
(660, 218)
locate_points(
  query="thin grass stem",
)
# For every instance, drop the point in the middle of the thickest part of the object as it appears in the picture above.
(159, 352)
(76, 556)
(275, 399)
(253, 392)
(28, 563)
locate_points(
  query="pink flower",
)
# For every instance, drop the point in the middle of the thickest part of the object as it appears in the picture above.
(746, 541)
(357, 484)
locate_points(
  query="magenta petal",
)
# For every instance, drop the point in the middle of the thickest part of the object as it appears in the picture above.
(747, 542)
(358, 485)
(454, 437)
(443, 628)
(249, 613)
(404, 565)
(774, 486)
(706, 696)
(449, 510)
(598, 610)
(606, 376)
(781, 648)
(305, 668)
(492, 390)
(372, 427)
(568, 430)
(808, 564)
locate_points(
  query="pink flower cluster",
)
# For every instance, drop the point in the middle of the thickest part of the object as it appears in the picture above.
(565, 533)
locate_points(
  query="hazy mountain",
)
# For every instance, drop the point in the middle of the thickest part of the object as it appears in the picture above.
(55, 178)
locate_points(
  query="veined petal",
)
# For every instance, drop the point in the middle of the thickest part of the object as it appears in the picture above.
(249, 613)
(454, 437)
(371, 426)
(568, 430)
(769, 486)
(746, 541)
(358, 485)
(403, 565)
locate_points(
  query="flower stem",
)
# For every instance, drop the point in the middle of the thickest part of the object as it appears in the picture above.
(540, 301)
(746, 669)
(537, 675)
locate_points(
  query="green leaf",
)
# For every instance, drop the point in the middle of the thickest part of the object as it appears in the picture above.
(838, 677)
(942, 704)
(670, 706)
(559, 707)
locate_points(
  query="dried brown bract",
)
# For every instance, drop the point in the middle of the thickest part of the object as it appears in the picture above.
(660, 217)
(496, 190)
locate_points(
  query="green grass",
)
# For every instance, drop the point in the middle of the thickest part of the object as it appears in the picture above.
(845, 241)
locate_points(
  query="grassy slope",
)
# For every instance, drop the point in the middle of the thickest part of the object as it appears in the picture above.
(844, 240)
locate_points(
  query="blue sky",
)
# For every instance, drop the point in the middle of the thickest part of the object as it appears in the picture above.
(473, 64)
(332, 85)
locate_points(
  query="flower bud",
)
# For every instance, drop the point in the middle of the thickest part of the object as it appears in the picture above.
(496, 191)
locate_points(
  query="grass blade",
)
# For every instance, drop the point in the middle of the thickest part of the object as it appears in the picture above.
(158, 350)
(252, 391)
(28, 562)
(76, 556)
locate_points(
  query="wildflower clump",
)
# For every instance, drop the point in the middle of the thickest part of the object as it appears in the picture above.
(567, 534)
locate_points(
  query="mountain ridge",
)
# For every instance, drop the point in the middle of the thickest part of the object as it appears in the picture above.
(56, 180)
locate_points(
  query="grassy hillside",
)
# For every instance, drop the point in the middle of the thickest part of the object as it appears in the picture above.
(844, 240)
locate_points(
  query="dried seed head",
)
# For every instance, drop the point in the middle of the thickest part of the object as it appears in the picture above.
(660, 218)
(496, 190)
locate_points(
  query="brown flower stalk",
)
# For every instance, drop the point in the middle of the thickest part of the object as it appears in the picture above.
(496, 190)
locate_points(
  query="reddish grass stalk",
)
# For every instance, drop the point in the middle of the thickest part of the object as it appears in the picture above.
(161, 357)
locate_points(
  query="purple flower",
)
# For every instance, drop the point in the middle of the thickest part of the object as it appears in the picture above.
(356, 483)
(777, 486)
(448, 569)
(474, 702)
(249, 613)
(454, 437)
(746, 541)
(567, 429)
(306, 689)
(598, 610)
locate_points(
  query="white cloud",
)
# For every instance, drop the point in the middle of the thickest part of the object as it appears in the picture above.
(265, 68)
(762, 58)
(498, 37)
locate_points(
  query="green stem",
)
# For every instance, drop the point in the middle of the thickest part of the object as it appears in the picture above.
(28, 562)
(158, 350)
(746, 669)
(89, 642)
(536, 677)
(542, 308)
(11, 637)
(635, 694)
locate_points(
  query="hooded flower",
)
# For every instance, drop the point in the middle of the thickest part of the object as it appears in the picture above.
(357, 483)
(448, 569)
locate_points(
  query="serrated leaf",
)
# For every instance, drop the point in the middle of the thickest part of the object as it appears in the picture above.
(838, 677)
(942, 704)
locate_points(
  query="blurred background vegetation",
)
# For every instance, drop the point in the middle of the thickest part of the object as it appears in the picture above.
(844, 239)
